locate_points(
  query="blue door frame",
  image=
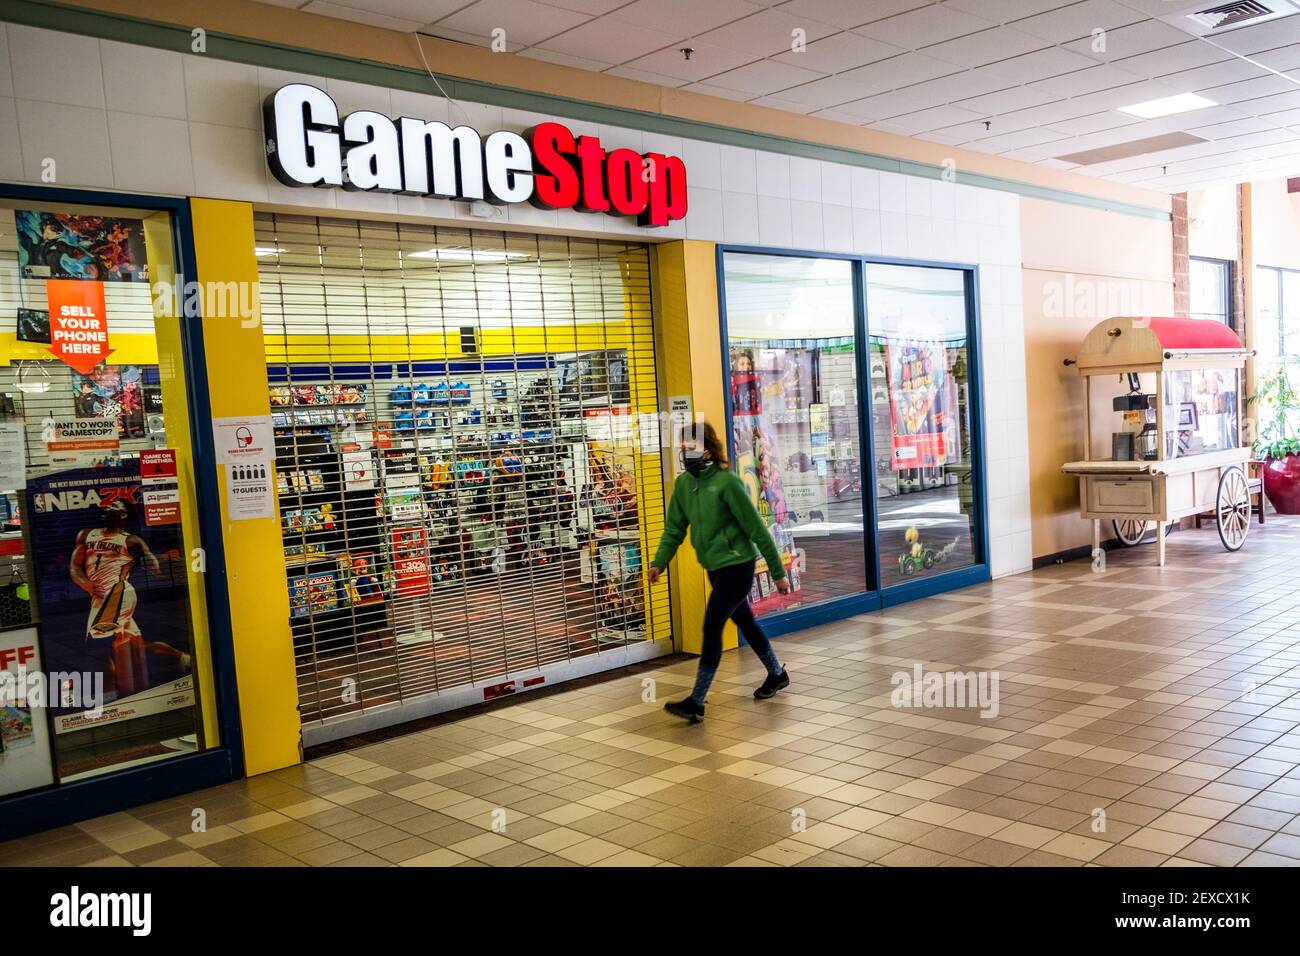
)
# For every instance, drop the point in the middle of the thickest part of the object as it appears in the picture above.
(60, 804)
(875, 597)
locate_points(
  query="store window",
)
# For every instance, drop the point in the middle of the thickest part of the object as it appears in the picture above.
(467, 455)
(920, 404)
(1277, 315)
(795, 428)
(1210, 282)
(101, 616)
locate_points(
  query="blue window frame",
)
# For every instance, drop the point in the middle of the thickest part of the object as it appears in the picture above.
(62, 803)
(923, 333)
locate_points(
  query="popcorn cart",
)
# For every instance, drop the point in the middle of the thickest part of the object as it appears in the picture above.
(1162, 415)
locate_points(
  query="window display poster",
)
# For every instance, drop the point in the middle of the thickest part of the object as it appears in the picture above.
(55, 245)
(13, 456)
(920, 403)
(81, 443)
(112, 595)
(24, 733)
(746, 389)
(410, 550)
(115, 392)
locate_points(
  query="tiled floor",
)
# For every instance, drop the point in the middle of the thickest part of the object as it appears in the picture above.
(1146, 717)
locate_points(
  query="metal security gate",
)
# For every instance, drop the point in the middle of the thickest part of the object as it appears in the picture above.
(467, 459)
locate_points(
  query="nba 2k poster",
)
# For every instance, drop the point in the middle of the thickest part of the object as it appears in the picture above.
(113, 597)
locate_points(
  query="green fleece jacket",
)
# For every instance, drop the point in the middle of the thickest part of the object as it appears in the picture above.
(725, 527)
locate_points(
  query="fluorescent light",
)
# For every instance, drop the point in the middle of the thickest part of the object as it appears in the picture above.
(453, 254)
(1168, 106)
(267, 250)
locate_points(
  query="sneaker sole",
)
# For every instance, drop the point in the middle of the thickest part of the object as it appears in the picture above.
(689, 718)
(761, 696)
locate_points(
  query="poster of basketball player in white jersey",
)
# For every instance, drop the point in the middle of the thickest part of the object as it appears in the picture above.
(114, 601)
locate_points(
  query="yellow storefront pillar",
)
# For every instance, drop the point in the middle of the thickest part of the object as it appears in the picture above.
(690, 349)
(255, 568)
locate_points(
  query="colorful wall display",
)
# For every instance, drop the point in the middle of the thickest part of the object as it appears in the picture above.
(53, 245)
(922, 403)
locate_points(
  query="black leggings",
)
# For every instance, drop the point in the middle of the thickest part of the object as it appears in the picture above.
(730, 600)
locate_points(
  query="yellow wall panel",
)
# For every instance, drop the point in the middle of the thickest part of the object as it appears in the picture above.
(259, 600)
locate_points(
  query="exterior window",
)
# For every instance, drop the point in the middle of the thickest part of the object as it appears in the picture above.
(97, 512)
(1211, 289)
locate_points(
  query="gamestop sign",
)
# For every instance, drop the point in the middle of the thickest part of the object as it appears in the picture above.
(308, 144)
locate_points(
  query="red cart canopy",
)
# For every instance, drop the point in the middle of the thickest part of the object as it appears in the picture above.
(1181, 334)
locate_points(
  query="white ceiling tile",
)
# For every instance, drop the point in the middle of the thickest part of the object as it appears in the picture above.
(594, 7)
(1004, 11)
(765, 34)
(1266, 138)
(647, 76)
(1264, 36)
(1006, 101)
(523, 21)
(987, 46)
(474, 39)
(684, 17)
(763, 78)
(418, 11)
(1237, 127)
(1094, 123)
(1021, 138)
(1250, 89)
(1286, 58)
(1284, 117)
(374, 19)
(619, 42)
(710, 90)
(1217, 74)
(706, 61)
(563, 59)
(1052, 61)
(840, 52)
(1121, 42)
(1181, 58)
(1078, 20)
(898, 71)
(1091, 80)
(776, 103)
(838, 116)
(848, 13)
(1269, 104)
(925, 26)
(936, 118)
(825, 92)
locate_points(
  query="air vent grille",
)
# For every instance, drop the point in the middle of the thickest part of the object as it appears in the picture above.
(1230, 14)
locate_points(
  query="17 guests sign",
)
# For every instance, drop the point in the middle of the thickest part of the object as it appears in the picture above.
(308, 144)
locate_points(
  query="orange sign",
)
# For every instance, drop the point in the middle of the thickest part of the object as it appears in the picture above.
(78, 324)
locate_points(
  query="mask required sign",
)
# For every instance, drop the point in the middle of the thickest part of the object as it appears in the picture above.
(308, 144)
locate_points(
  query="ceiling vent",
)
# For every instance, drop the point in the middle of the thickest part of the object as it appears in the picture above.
(1231, 16)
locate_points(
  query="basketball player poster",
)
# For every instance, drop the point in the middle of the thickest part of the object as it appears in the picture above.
(113, 597)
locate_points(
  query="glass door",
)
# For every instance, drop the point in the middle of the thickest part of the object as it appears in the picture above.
(792, 354)
(918, 343)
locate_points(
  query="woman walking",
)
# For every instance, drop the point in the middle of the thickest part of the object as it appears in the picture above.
(725, 530)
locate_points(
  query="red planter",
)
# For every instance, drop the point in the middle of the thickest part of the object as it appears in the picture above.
(1282, 484)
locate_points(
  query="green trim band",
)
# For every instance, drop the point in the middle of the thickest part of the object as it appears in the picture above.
(126, 29)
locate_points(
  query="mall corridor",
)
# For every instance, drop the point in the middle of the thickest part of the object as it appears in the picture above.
(1144, 717)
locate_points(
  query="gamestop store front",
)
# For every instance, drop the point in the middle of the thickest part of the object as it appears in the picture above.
(467, 452)
(106, 679)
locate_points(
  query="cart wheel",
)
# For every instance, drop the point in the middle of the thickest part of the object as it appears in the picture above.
(928, 562)
(1130, 530)
(1232, 508)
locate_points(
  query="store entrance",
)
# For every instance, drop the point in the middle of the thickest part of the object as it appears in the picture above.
(466, 487)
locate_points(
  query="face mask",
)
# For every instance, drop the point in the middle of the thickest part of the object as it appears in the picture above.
(694, 462)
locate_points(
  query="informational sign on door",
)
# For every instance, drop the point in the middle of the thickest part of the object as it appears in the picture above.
(82, 442)
(250, 491)
(358, 471)
(13, 457)
(244, 440)
(679, 410)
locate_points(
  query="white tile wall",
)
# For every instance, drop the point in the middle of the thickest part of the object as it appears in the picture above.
(109, 121)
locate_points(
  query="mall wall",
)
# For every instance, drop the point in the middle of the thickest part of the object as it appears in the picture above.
(1080, 266)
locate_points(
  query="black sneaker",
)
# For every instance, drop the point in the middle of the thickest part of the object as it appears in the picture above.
(772, 685)
(686, 709)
